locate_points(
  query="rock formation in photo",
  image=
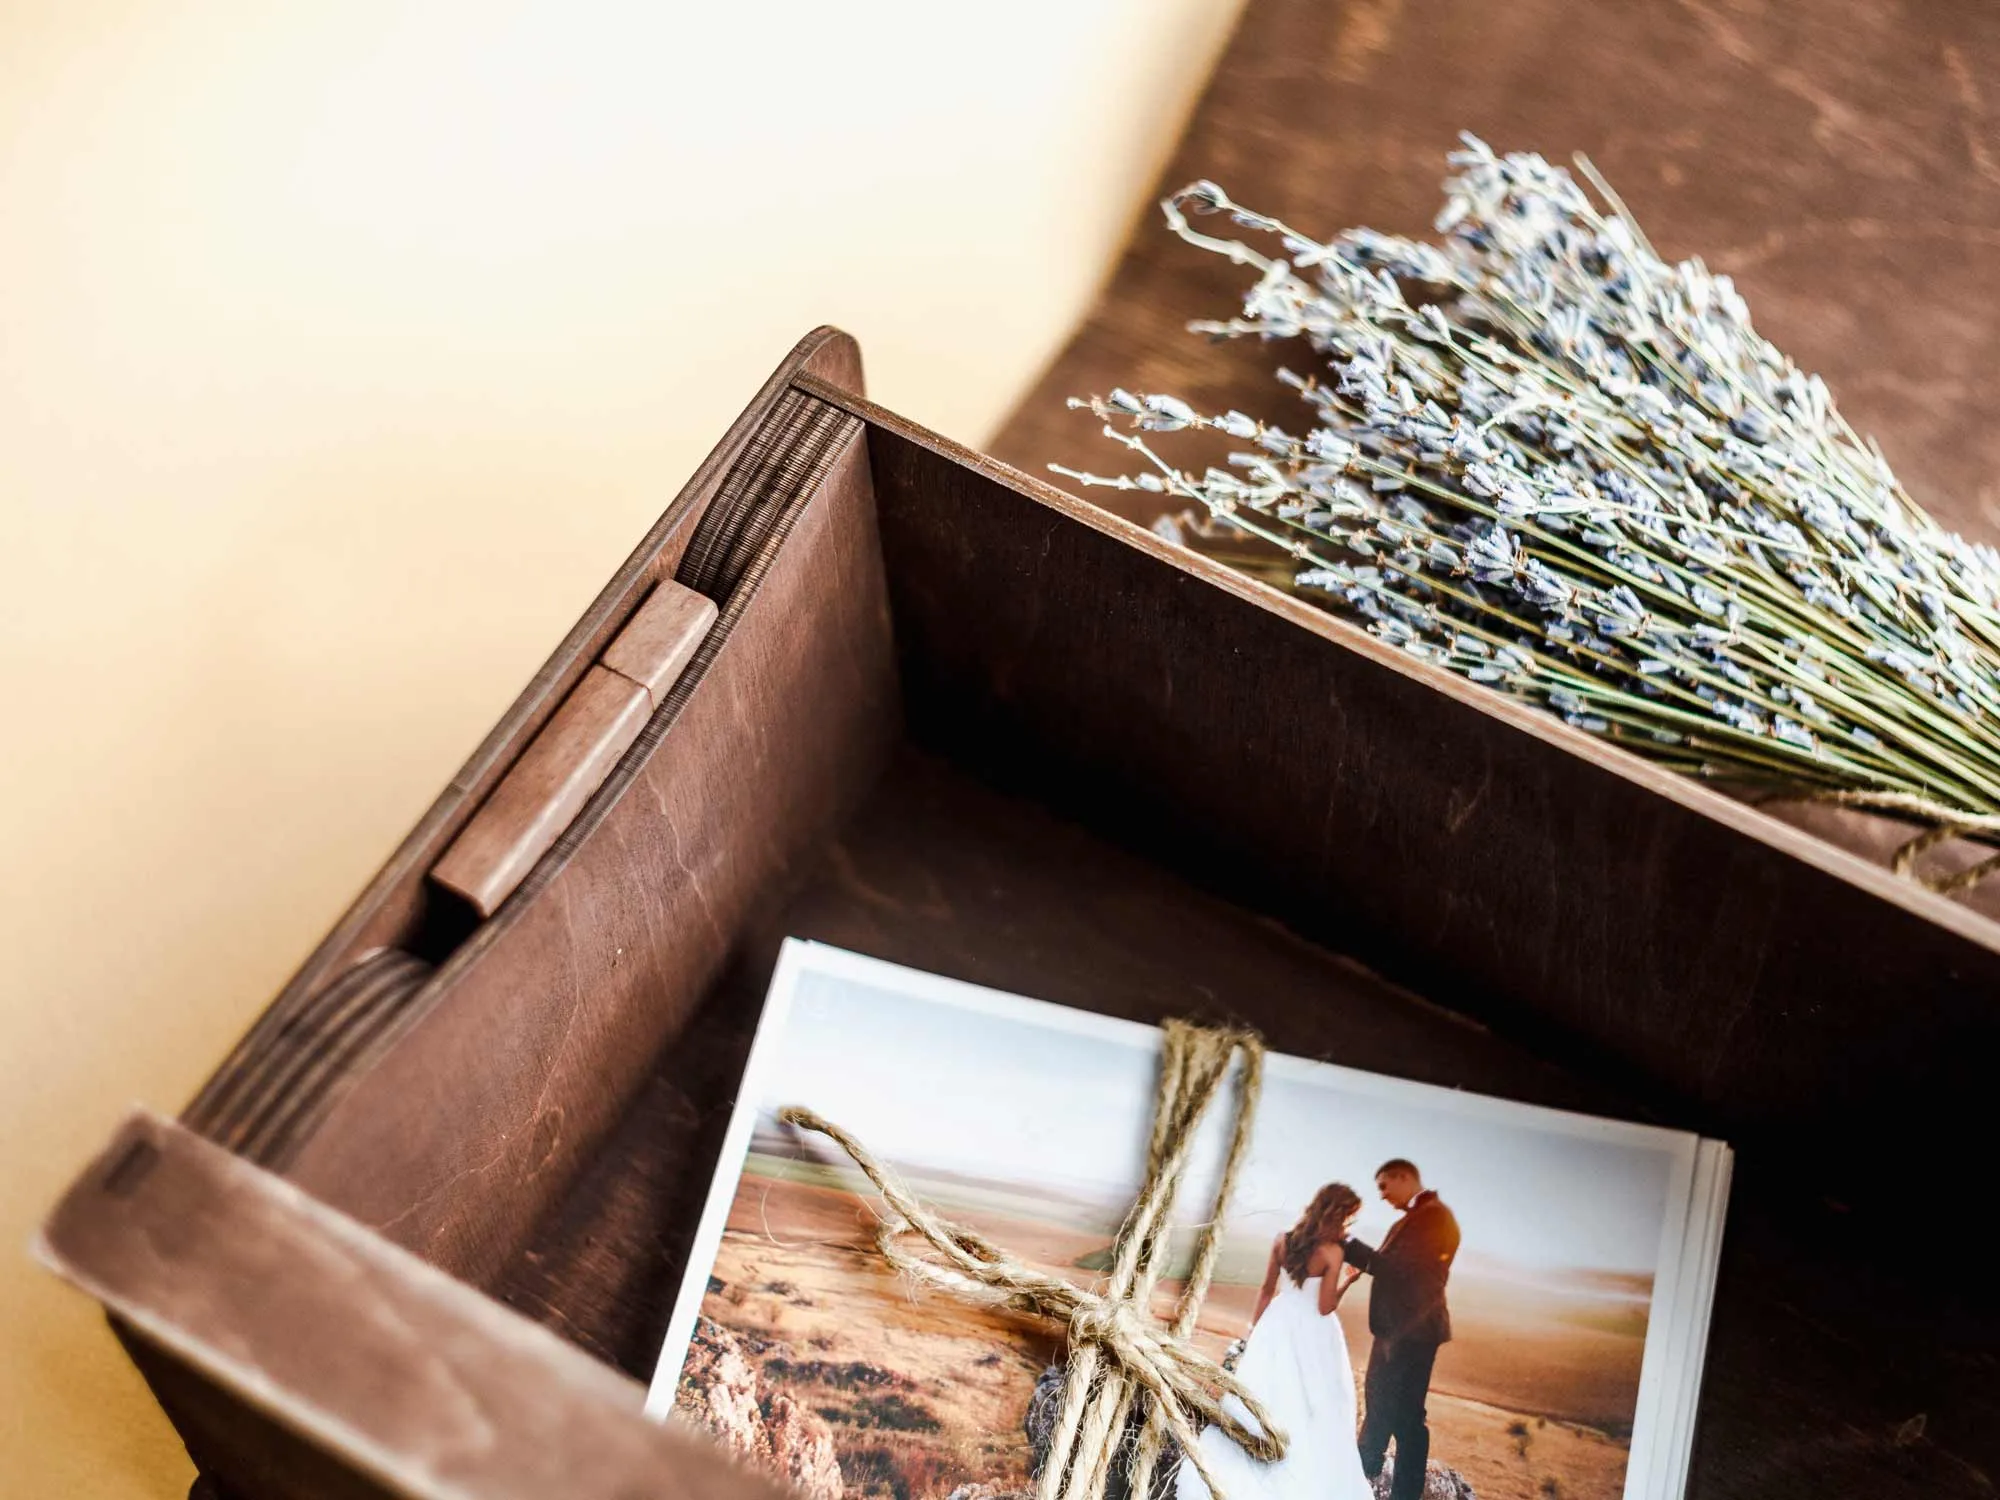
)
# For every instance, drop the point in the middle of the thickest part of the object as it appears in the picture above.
(721, 1390)
(1440, 1483)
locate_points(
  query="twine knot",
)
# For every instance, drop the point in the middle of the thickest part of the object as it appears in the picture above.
(1124, 1365)
(1117, 1324)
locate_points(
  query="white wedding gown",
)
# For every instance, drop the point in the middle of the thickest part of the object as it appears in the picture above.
(1296, 1364)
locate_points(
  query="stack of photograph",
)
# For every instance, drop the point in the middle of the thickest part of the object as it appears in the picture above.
(1434, 1293)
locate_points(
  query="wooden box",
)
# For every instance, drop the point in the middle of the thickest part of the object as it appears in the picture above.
(418, 1234)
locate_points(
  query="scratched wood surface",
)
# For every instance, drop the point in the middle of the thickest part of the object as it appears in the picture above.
(1840, 159)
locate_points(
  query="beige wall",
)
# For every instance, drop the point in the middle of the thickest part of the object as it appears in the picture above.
(344, 351)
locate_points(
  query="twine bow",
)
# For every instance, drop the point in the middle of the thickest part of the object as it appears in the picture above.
(1123, 1363)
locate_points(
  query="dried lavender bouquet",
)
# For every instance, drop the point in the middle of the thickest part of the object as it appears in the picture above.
(1542, 457)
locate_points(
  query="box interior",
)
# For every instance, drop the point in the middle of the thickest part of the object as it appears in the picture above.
(962, 729)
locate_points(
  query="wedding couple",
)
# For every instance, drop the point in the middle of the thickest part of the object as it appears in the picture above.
(1295, 1360)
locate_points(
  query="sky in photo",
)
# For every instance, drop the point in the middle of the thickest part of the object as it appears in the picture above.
(1009, 1097)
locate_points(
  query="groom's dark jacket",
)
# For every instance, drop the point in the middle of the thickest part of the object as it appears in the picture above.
(1410, 1268)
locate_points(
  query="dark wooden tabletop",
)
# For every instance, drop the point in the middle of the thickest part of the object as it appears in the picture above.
(1840, 159)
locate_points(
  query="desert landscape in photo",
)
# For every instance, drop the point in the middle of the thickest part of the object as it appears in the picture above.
(921, 1395)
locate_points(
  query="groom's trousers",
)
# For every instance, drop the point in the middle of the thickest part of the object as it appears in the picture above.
(1398, 1385)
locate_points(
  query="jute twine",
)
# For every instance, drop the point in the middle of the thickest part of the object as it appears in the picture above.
(1947, 823)
(1123, 1364)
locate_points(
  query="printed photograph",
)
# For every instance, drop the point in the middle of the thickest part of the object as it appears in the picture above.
(1434, 1294)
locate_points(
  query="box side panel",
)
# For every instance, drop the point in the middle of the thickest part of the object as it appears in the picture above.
(466, 1122)
(302, 1356)
(381, 951)
(1639, 927)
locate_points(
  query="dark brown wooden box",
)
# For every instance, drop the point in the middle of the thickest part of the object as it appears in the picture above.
(419, 1233)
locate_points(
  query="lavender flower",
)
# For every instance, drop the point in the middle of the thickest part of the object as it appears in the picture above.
(1544, 458)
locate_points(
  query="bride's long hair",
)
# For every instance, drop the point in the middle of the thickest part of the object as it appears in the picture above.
(1326, 1218)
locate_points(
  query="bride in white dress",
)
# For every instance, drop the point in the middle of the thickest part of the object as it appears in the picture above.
(1295, 1362)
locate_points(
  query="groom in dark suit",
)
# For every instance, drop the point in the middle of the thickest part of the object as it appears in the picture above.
(1409, 1319)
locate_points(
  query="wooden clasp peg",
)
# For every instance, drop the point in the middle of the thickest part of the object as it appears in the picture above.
(568, 760)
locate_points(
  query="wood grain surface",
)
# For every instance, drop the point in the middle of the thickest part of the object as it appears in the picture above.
(231, 1287)
(661, 637)
(545, 790)
(575, 751)
(1841, 160)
